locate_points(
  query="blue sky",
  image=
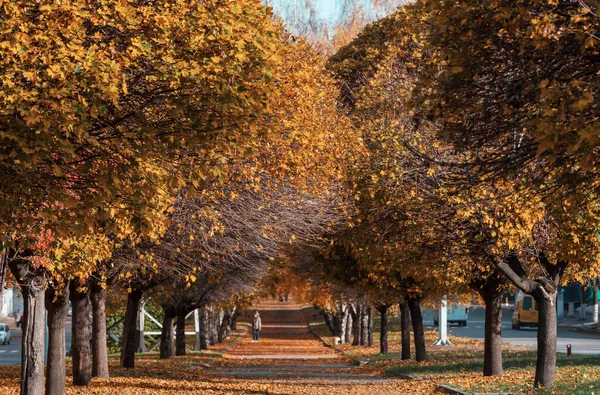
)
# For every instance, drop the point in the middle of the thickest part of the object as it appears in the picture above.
(328, 12)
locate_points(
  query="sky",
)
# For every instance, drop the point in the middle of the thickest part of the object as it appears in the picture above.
(328, 12)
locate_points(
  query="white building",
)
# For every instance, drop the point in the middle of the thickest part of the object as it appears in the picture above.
(12, 300)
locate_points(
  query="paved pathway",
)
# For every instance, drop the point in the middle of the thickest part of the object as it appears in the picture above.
(290, 359)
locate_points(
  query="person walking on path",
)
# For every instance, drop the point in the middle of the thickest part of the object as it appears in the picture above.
(256, 326)
(18, 316)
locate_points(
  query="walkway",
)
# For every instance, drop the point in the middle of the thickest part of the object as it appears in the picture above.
(289, 359)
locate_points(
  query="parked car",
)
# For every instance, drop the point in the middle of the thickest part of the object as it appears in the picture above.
(458, 314)
(526, 312)
(5, 335)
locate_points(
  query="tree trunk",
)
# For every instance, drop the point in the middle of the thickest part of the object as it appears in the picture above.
(180, 335)
(595, 303)
(545, 369)
(214, 327)
(370, 323)
(166, 336)
(405, 329)
(331, 324)
(364, 326)
(57, 304)
(204, 329)
(492, 355)
(583, 307)
(230, 321)
(80, 339)
(349, 327)
(32, 286)
(225, 328)
(128, 344)
(383, 337)
(356, 313)
(342, 313)
(414, 304)
(99, 346)
(234, 319)
(197, 330)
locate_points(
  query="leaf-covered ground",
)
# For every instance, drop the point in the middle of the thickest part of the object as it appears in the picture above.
(290, 360)
(287, 360)
(461, 364)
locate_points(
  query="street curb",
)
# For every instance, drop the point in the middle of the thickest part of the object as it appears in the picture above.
(451, 390)
(455, 391)
(404, 376)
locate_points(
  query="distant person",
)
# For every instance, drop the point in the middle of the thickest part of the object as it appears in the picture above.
(21, 320)
(256, 327)
(18, 318)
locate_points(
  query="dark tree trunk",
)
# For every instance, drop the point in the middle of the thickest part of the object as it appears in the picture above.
(490, 286)
(414, 305)
(80, 343)
(225, 327)
(166, 335)
(32, 286)
(57, 304)
(370, 323)
(129, 344)
(383, 338)
(99, 346)
(545, 368)
(214, 326)
(355, 313)
(331, 324)
(405, 329)
(180, 335)
(492, 356)
(364, 326)
(204, 328)
(544, 290)
(234, 320)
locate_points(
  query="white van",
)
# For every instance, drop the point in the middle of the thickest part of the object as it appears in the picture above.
(458, 314)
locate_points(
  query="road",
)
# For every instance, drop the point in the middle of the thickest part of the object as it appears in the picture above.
(10, 354)
(582, 343)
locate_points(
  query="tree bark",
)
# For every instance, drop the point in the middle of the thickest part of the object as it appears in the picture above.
(349, 327)
(32, 284)
(331, 324)
(595, 303)
(204, 329)
(364, 326)
(405, 329)
(583, 307)
(99, 346)
(225, 327)
(544, 291)
(166, 335)
(214, 326)
(383, 337)
(80, 339)
(180, 335)
(356, 313)
(57, 304)
(342, 313)
(492, 355)
(370, 327)
(545, 368)
(414, 305)
(128, 344)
